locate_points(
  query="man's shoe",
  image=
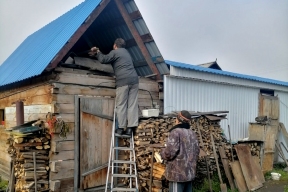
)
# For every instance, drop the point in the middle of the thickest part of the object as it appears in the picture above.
(119, 132)
(128, 132)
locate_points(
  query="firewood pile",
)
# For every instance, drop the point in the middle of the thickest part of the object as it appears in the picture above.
(30, 154)
(29, 148)
(155, 131)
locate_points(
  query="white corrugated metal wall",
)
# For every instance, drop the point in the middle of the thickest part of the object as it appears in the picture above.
(200, 91)
(283, 97)
(193, 95)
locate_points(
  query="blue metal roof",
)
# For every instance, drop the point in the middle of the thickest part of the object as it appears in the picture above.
(225, 73)
(38, 50)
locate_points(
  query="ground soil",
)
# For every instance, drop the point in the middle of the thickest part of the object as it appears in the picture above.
(273, 186)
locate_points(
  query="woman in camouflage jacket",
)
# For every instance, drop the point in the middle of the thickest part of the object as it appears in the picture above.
(181, 153)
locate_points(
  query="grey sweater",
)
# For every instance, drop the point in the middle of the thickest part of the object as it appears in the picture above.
(122, 64)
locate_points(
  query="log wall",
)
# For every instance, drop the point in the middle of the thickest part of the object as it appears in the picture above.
(79, 82)
(57, 96)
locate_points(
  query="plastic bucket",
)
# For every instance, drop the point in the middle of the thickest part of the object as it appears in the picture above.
(275, 176)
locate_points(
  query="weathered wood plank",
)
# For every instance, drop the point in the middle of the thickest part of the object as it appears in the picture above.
(248, 168)
(61, 169)
(238, 175)
(33, 100)
(269, 106)
(260, 175)
(256, 132)
(54, 185)
(57, 146)
(63, 185)
(94, 150)
(30, 109)
(62, 98)
(30, 96)
(275, 109)
(67, 118)
(267, 163)
(93, 91)
(93, 64)
(62, 155)
(227, 170)
(27, 117)
(93, 80)
(82, 90)
(63, 108)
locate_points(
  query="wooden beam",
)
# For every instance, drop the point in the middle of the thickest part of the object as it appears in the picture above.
(76, 36)
(135, 15)
(77, 144)
(93, 64)
(137, 37)
(146, 38)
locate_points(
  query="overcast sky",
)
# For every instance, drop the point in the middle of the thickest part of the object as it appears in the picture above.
(249, 37)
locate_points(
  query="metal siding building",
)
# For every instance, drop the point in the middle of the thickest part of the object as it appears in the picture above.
(195, 89)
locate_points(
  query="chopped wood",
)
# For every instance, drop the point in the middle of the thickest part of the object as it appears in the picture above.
(31, 167)
(155, 131)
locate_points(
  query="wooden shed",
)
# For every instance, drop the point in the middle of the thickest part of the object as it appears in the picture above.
(52, 72)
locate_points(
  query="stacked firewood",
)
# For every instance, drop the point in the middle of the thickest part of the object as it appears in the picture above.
(255, 149)
(30, 153)
(155, 131)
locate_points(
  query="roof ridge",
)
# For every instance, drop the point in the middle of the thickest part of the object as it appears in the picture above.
(226, 73)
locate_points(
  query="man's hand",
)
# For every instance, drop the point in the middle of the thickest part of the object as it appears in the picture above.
(94, 51)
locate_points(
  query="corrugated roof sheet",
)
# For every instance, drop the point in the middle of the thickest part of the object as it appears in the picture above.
(225, 73)
(38, 50)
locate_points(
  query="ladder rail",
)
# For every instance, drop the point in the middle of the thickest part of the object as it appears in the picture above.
(111, 146)
(112, 161)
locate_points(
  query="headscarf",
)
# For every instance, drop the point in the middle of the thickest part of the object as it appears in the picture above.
(184, 116)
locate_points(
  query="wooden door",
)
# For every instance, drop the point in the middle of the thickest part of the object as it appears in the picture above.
(96, 117)
(269, 106)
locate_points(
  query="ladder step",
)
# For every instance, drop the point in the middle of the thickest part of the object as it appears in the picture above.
(123, 175)
(123, 161)
(124, 189)
(123, 148)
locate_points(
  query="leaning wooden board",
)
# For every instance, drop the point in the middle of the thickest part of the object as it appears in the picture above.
(238, 175)
(225, 163)
(250, 171)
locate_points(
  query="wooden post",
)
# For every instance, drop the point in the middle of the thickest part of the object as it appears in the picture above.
(35, 176)
(12, 177)
(151, 174)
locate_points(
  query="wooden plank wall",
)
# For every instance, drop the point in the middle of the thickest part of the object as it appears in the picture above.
(33, 95)
(4, 157)
(59, 96)
(79, 82)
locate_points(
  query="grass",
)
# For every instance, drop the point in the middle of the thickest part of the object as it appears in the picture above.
(286, 188)
(215, 185)
(278, 168)
(3, 184)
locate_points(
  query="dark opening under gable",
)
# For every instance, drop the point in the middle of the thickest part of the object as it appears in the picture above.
(123, 19)
(211, 65)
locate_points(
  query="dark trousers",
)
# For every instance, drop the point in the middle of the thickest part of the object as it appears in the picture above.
(180, 186)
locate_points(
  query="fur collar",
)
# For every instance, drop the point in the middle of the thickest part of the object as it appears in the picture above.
(181, 125)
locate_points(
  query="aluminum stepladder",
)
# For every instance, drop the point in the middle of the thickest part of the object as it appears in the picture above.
(112, 164)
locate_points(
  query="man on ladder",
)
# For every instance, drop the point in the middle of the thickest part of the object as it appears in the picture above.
(127, 85)
(126, 109)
